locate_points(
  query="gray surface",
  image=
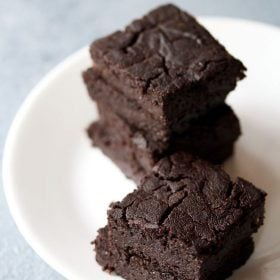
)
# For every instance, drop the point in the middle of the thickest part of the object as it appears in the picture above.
(34, 36)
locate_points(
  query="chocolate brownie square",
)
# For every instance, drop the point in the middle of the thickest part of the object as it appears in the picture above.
(186, 220)
(168, 63)
(210, 136)
(127, 108)
(133, 113)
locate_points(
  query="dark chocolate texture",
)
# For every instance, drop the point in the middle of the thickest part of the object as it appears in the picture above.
(136, 114)
(211, 137)
(187, 220)
(167, 61)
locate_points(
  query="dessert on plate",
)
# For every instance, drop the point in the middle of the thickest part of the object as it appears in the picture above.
(160, 87)
(186, 220)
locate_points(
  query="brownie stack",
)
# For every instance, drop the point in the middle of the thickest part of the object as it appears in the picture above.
(160, 87)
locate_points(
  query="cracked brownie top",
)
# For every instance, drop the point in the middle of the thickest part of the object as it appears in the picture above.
(165, 51)
(192, 201)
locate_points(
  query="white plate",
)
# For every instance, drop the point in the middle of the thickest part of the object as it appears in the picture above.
(58, 188)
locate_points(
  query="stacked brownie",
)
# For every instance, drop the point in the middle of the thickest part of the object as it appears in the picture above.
(186, 221)
(160, 87)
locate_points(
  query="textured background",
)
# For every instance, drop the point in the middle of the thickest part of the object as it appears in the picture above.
(34, 36)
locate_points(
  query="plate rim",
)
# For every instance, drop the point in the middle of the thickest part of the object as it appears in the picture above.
(10, 143)
(24, 109)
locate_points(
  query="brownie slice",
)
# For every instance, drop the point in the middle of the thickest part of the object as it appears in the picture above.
(187, 220)
(211, 137)
(114, 260)
(168, 63)
(133, 113)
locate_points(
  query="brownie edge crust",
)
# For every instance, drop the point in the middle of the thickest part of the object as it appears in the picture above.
(187, 220)
(144, 270)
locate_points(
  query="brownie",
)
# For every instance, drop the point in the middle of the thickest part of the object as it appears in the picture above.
(141, 268)
(132, 112)
(210, 136)
(168, 63)
(186, 220)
